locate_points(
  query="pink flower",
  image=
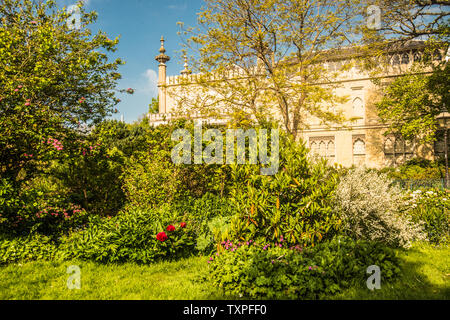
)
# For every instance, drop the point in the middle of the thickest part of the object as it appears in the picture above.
(33, 22)
(15, 90)
(27, 104)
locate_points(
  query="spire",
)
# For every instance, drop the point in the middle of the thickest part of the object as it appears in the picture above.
(186, 70)
(162, 58)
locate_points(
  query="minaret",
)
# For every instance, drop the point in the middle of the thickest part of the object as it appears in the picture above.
(186, 70)
(162, 58)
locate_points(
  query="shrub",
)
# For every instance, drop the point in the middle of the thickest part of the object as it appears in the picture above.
(295, 202)
(36, 247)
(209, 216)
(277, 272)
(416, 170)
(40, 207)
(432, 207)
(371, 209)
(131, 236)
(151, 178)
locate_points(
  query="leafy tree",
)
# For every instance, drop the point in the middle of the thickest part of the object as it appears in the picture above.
(53, 79)
(269, 57)
(411, 102)
(154, 106)
(404, 20)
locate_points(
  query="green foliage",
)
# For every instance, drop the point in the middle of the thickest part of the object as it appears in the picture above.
(151, 178)
(209, 216)
(52, 80)
(130, 237)
(40, 207)
(154, 106)
(294, 203)
(24, 249)
(432, 207)
(274, 272)
(416, 169)
(411, 102)
(92, 177)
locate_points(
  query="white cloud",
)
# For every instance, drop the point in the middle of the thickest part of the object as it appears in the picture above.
(177, 6)
(151, 85)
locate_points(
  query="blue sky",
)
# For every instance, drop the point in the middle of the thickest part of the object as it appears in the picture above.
(140, 23)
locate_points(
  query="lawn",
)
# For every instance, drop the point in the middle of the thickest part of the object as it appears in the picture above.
(425, 269)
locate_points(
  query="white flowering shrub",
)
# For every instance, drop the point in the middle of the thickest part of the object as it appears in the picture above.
(371, 208)
(432, 207)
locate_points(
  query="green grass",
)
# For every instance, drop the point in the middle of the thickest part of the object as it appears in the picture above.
(425, 275)
(160, 281)
(425, 270)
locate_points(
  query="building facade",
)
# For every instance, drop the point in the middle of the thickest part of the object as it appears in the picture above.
(360, 141)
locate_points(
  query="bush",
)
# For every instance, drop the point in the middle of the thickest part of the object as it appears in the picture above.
(40, 207)
(371, 209)
(294, 203)
(24, 249)
(416, 170)
(131, 237)
(432, 207)
(209, 217)
(278, 272)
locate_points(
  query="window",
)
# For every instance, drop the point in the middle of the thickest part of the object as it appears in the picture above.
(395, 60)
(397, 150)
(417, 56)
(437, 55)
(358, 111)
(323, 147)
(405, 58)
(439, 144)
(359, 150)
(359, 147)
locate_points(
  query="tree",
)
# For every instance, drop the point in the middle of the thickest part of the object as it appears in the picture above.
(268, 56)
(153, 107)
(53, 80)
(405, 20)
(411, 102)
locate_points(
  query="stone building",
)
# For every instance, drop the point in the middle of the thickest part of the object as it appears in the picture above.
(357, 142)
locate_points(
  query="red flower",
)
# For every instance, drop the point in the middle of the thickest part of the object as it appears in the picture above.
(170, 228)
(161, 236)
(183, 225)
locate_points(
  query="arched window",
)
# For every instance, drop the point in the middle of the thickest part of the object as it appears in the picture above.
(322, 149)
(437, 55)
(417, 56)
(397, 150)
(405, 58)
(388, 146)
(314, 148)
(359, 152)
(358, 110)
(359, 147)
(395, 60)
(330, 149)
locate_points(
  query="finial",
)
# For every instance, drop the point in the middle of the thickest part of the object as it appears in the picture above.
(186, 70)
(162, 49)
(162, 58)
